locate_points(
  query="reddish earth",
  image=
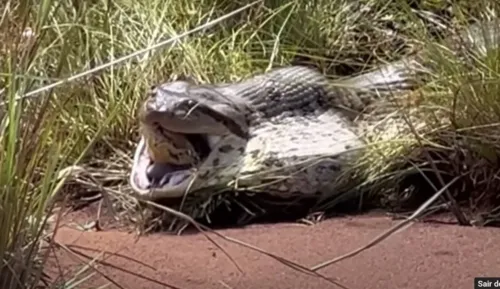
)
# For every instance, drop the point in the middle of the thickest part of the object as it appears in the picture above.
(423, 256)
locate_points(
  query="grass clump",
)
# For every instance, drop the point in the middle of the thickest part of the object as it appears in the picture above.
(36, 143)
(462, 107)
(452, 129)
(33, 145)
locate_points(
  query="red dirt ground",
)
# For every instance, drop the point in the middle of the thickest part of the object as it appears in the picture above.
(423, 256)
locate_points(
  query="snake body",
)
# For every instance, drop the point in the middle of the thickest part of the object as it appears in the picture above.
(286, 131)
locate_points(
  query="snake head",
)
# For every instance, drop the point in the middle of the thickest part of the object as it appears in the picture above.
(182, 107)
(179, 120)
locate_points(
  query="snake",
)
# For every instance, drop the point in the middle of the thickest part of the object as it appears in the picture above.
(290, 130)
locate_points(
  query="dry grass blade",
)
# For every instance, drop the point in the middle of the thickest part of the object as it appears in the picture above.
(204, 229)
(138, 53)
(89, 260)
(90, 264)
(399, 226)
(197, 226)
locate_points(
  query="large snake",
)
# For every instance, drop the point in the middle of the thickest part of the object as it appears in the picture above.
(286, 131)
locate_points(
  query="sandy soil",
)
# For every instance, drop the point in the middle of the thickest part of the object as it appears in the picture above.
(423, 256)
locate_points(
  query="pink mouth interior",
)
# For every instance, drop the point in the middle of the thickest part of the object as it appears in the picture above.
(149, 175)
(160, 175)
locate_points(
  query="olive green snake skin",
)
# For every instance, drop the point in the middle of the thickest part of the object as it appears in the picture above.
(287, 131)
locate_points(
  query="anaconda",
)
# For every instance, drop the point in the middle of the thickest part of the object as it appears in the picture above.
(284, 132)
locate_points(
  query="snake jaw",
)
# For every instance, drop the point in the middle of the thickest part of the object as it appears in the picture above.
(221, 165)
(171, 185)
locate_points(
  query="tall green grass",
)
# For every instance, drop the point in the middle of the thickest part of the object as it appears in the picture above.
(36, 142)
(33, 146)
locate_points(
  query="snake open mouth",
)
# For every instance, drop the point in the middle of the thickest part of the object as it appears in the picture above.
(161, 174)
(149, 177)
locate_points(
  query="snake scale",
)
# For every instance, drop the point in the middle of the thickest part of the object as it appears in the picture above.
(287, 131)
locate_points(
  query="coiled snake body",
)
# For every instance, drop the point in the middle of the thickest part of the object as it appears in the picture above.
(283, 132)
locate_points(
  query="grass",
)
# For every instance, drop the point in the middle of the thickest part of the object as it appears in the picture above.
(89, 124)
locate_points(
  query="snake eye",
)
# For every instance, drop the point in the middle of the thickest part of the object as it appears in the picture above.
(184, 107)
